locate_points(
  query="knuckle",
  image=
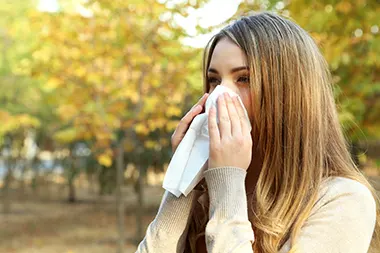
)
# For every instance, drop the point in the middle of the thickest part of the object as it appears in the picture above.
(213, 126)
(193, 114)
(240, 141)
(226, 140)
(215, 150)
(182, 121)
(234, 117)
(225, 118)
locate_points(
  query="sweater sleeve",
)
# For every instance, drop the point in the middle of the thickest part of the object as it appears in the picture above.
(342, 220)
(167, 232)
(228, 229)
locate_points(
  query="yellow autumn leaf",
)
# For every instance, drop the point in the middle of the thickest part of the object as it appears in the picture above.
(149, 144)
(141, 128)
(67, 111)
(155, 82)
(93, 78)
(156, 123)
(151, 103)
(105, 160)
(27, 120)
(173, 111)
(80, 71)
(66, 135)
(177, 97)
(171, 125)
(52, 83)
(103, 135)
(132, 95)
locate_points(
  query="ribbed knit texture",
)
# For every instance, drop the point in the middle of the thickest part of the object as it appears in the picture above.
(170, 207)
(224, 185)
(167, 233)
(228, 214)
(342, 219)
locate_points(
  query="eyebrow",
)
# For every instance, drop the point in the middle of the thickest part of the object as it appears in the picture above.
(232, 70)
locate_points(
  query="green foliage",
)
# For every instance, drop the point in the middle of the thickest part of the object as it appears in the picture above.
(121, 71)
(117, 70)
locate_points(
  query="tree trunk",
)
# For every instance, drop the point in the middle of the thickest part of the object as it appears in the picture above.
(140, 205)
(71, 176)
(119, 195)
(6, 197)
(22, 178)
(71, 197)
(6, 190)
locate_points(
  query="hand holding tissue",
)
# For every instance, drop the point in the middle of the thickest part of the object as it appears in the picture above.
(188, 163)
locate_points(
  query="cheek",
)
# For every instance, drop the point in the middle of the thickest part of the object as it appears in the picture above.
(246, 98)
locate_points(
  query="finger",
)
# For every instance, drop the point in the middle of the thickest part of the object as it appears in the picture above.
(242, 116)
(213, 130)
(190, 115)
(224, 119)
(234, 116)
(202, 100)
(187, 119)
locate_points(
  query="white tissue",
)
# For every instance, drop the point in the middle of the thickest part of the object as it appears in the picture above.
(189, 160)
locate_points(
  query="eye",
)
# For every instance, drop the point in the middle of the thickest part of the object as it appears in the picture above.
(212, 81)
(243, 79)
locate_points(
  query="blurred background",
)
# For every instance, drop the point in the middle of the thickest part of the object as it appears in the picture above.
(91, 91)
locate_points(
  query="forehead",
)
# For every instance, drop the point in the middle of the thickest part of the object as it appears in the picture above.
(227, 55)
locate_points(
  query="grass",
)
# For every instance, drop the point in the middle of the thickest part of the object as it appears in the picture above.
(48, 224)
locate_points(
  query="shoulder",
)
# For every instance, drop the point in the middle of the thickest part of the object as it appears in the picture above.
(343, 183)
(342, 220)
(335, 186)
(346, 195)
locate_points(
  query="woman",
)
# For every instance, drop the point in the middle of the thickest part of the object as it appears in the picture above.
(289, 185)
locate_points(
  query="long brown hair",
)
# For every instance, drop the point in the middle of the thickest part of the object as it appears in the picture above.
(295, 126)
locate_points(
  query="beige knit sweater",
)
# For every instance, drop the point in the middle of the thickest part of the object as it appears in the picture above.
(342, 220)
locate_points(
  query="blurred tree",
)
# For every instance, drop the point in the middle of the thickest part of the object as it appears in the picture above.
(115, 75)
(20, 97)
(120, 72)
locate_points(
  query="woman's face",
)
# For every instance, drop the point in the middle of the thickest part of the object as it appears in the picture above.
(228, 67)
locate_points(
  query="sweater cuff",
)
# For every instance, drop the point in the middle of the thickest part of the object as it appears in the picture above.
(174, 212)
(226, 186)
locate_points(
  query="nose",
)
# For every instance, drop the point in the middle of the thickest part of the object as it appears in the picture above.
(230, 84)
